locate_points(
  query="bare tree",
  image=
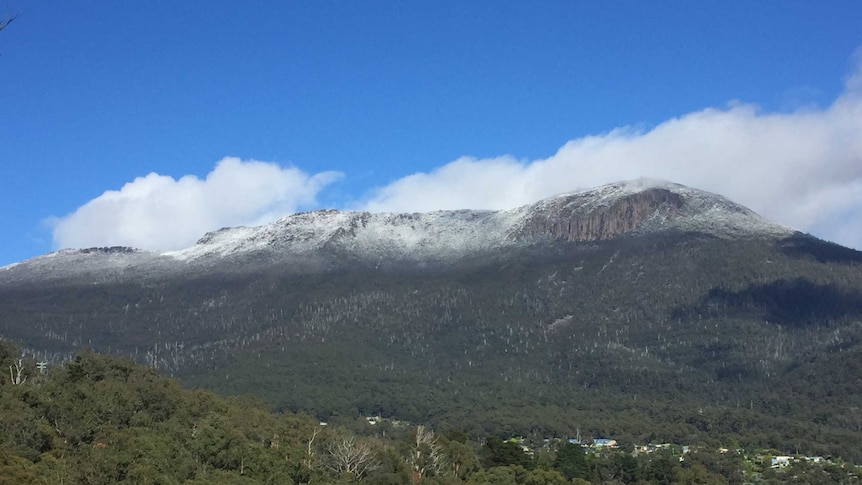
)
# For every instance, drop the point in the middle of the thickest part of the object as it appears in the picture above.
(426, 455)
(347, 455)
(16, 373)
(7, 19)
(309, 456)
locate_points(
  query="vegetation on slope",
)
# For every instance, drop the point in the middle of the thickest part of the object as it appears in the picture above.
(104, 420)
(679, 338)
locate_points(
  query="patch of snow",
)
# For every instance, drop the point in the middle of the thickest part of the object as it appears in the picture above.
(423, 235)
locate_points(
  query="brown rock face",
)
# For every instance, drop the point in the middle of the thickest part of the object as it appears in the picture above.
(573, 220)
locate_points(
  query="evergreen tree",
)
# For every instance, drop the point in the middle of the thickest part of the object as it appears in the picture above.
(571, 461)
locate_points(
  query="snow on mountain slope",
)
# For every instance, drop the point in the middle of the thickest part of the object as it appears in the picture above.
(597, 214)
(429, 235)
(97, 265)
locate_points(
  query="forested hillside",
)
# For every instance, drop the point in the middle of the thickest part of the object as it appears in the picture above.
(102, 420)
(641, 311)
(671, 337)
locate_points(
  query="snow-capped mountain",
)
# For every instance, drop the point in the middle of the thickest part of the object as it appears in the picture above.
(597, 214)
(602, 213)
(633, 289)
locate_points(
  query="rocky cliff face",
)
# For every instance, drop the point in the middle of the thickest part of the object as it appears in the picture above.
(640, 206)
(568, 219)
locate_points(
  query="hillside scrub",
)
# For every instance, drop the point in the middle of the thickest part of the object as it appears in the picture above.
(99, 419)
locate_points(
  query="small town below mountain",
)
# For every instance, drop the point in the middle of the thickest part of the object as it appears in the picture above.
(103, 420)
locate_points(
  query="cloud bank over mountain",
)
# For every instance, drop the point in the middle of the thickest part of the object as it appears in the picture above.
(159, 212)
(800, 168)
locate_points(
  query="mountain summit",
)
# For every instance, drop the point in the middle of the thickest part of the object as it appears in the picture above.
(607, 212)
(591, 215)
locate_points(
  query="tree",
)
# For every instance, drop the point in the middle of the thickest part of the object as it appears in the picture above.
(7, 19)
(497, 452)
(16, 373)
(571, 461)
(346, 454)
(462, 460)
(425, 455)
(16, 470)
(499, 475)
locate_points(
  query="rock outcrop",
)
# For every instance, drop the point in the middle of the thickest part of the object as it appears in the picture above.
(570, 218)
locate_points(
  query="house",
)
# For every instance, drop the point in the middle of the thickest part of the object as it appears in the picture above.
(781, 461)
(604, 443)
(517, 440)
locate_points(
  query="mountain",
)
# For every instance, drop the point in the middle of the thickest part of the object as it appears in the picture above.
(640, 310)
(444, 237)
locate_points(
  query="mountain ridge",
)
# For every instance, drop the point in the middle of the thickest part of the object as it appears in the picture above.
(312, 238)
(599, 213)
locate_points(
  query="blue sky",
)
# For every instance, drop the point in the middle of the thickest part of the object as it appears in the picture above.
(149, 123)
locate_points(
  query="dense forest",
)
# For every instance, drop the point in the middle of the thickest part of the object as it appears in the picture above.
(99, 419)
(676, 338)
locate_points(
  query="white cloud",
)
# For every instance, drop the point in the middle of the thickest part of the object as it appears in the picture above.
(159, 212)
(802, 169)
